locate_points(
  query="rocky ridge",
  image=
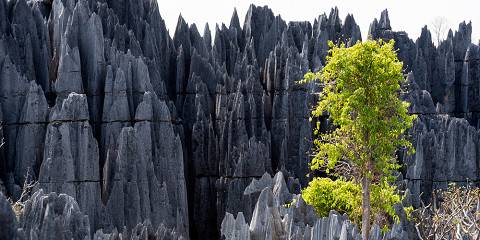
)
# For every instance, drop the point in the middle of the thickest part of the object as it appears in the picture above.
(100, 103)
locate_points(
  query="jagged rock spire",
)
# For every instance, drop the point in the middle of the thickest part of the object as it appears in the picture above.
(96, 96)
(384, 22)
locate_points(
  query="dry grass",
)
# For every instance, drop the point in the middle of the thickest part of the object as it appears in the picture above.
(27, 188)
(453, 214)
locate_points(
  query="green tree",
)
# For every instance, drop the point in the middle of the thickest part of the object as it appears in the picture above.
(361, 93)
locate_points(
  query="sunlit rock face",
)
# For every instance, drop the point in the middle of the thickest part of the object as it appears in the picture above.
(148, 132)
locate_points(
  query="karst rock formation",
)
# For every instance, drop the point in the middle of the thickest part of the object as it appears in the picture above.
(133, 131)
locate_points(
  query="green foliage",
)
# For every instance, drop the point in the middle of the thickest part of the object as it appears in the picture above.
(384, 197)
(324, 195)
(361, 88)
(409, 211)
(289, 204)
(344, 196)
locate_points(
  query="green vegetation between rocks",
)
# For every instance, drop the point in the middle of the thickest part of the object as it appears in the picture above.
(345, 196)
(361, 94)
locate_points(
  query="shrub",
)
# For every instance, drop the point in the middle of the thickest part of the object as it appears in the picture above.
(345, 196)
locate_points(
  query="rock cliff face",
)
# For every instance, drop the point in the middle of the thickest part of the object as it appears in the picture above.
(141, 134)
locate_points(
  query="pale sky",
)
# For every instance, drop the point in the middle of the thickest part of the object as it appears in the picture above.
(406, 15)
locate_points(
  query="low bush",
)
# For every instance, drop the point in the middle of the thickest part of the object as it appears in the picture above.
(345, 196)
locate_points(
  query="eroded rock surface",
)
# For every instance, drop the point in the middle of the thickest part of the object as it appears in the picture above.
(279, 214)
(168, 129)
(8, 219)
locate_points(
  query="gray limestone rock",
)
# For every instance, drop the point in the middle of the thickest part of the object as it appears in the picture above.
(384, 22)
(13, 88)
(8, 219)
(69, 76)
(273, 218)
(100, 102)
(132, 190)
(162, 149)
(141, 231)
(235, 228)
(31, 135)
(70, 160)
(446, 151)
(53, 216)
(30, 32)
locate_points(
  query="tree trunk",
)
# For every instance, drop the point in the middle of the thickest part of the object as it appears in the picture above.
(365, 207)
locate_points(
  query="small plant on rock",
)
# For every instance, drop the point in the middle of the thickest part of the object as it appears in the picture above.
(27, 188)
